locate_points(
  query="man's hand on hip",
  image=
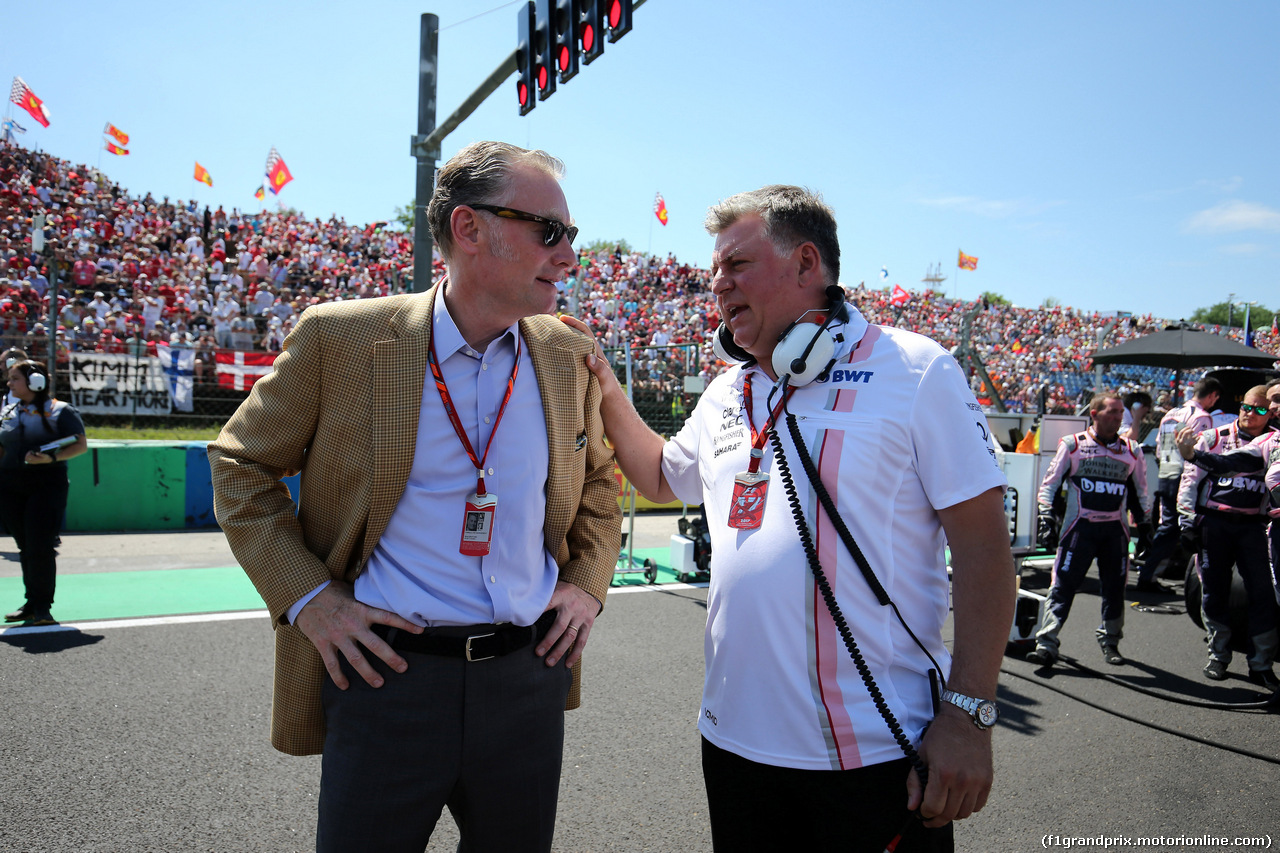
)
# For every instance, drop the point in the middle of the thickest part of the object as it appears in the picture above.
(958, 755)
(338, 624)
(576, 611)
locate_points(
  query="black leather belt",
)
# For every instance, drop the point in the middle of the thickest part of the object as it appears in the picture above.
(470, 642)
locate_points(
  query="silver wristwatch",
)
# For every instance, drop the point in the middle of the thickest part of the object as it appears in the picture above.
(983, 711)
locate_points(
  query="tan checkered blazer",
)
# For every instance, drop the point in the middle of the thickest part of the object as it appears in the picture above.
(342, 407)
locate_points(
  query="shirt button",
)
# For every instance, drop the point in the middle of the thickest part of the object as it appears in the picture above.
(492, 579)
(484, 367)
(486, 418)
(490, 472)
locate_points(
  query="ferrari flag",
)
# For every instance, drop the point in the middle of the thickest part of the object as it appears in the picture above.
(900, 296)
(278, 173)
(202, 176)
(660, 208)
(116, 149)
(967, 262)
(116, 133)
(25, 98)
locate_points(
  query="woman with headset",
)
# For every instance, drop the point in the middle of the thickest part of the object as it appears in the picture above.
(38, 434)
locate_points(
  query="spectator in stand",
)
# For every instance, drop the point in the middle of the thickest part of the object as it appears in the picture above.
(39, 283)
(100, 306)
(262, 300)
(206, 365)
(84, 274)
(243, 333)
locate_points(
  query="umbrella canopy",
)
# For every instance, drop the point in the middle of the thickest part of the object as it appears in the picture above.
(1179, 349)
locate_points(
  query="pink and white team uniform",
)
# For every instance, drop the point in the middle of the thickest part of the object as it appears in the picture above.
(895, 434)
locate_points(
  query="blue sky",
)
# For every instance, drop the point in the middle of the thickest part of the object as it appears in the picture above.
(1111, 156)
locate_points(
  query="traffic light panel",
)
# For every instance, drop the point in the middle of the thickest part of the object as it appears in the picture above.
(543, 43)
(619, 18)
(555, 35)
(565, 28)
(593, 23)
(525, 58)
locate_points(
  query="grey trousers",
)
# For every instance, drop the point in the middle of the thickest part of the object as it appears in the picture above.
(483, 738)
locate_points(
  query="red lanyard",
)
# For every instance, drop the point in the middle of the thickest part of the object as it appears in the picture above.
(758, 439)
(453, 415)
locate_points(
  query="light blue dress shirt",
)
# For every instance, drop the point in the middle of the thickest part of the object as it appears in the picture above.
(416, 569)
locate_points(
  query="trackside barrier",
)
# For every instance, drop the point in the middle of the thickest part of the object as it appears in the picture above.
(160, 485)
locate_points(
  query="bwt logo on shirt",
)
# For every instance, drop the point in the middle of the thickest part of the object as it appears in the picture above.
(852, 376)
(1244, 484)
(1102, 487)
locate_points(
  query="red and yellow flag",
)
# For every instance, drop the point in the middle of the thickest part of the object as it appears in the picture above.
(660, 208)
(967, 262)
(202, 175)
(260, 193)
(116, 149)
(25, 98)
(279, 176)
(278, 173)
(116, 133)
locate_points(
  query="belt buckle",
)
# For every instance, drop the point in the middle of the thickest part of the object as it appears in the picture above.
(470, 659)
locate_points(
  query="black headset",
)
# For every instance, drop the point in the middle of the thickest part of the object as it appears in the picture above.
(801, 361)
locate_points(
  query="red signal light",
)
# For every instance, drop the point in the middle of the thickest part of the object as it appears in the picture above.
(523, 91)
(615, 13)
(588, 37)
(564, 58)
(542, 77)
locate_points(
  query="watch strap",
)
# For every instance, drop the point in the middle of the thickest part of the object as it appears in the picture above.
(968, 704)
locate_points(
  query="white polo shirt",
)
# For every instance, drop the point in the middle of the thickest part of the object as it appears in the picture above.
(895, 434)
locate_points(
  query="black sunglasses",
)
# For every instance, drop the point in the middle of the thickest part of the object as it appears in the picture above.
(1257, 410)
(555, 229)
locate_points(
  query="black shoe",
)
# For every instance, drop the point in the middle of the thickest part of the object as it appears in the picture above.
(41, 618)
(1111, 654)
(1215, 670)
(1042, 656)
(17, 616)
(1265, 678)
(1150, 586)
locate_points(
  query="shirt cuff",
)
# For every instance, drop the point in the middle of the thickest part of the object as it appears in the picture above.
(293, 611)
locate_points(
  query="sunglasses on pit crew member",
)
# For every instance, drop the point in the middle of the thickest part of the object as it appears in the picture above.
(555, 229)
(1257, 410)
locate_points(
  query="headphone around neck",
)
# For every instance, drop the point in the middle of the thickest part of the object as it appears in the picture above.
(801, 361)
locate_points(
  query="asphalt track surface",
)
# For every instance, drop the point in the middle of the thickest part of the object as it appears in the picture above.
(152, 734)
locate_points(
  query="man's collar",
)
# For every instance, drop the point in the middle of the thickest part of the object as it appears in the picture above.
(448, 339)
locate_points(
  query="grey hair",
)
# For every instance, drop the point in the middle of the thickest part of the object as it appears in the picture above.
(792, 215)
(480, 174)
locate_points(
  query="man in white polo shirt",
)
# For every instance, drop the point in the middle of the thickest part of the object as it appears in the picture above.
(896, 437)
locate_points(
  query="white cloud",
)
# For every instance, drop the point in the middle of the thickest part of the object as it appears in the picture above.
(1222, 185)
(1235, 215)
(1243, 249)
(990, 208)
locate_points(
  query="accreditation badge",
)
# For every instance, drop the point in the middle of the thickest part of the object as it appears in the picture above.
(477, 524)
(749, 491)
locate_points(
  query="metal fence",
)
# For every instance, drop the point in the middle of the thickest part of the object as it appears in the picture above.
(138, 391)
(657, 382)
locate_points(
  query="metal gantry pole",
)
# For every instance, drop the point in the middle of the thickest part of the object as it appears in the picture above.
(426, 156)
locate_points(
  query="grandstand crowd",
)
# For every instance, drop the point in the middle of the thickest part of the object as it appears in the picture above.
(135, 272)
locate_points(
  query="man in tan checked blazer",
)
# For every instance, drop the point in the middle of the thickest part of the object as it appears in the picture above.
(467, 713)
